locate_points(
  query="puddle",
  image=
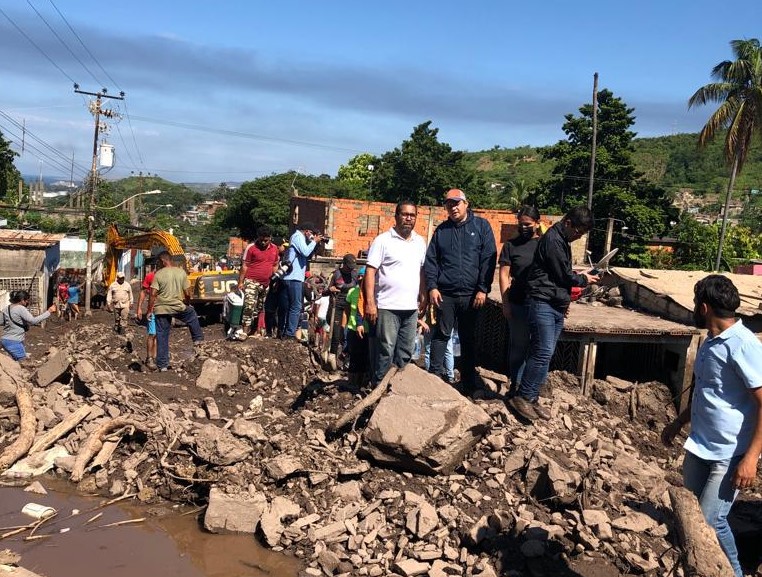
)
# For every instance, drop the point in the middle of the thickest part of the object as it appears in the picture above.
(169, 544)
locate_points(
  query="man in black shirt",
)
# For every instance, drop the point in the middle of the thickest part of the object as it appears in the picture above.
(549, 285)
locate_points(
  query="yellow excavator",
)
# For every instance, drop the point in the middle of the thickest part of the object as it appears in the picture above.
(208, 288)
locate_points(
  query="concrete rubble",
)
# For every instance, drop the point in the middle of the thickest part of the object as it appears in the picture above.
(477, 493)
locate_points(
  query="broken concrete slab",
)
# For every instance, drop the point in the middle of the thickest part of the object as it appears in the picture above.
(219, 447)
(56, 365)
(216, 373)
(36, 464)
(85, 370)
(423, 425)
(238, 513)
(271, 522)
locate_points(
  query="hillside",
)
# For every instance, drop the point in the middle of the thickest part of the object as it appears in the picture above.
(672, 161)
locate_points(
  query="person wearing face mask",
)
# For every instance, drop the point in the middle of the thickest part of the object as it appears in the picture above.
(260, 261)
(549, 283)
(723, 448)
(515, 260)
(119, 300)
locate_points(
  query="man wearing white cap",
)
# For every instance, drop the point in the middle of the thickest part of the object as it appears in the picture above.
(119, 300)
(459, 269)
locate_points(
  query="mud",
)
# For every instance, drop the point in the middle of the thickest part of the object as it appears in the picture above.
(169, 542)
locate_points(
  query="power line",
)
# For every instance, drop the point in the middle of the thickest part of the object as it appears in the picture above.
(129, 123)
(33, 43)
(247, 135)
(62, 42)
(114, 82)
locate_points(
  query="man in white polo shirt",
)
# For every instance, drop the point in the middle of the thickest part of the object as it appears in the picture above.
(394, 290)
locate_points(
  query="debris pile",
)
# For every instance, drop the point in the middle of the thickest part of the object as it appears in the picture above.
(249, 429)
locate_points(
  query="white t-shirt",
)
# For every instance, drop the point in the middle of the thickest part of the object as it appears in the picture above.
(322, 304)
(399, 263)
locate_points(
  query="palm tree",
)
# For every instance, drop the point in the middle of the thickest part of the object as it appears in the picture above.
(738, 89)
(518, 192)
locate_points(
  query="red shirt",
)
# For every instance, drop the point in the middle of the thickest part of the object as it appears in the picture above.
(260, 263)
(148, 280)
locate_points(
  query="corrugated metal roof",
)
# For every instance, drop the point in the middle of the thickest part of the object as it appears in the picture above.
(28, 239)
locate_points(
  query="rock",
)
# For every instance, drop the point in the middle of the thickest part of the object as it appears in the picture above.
(635, 521)
(641, 563)
(35, 487)
(219, 447)
(282, 466)
(233, 513)
(410, 567)
(593, 517)
(65, 463)
(56, 365)
(215, 373)
(249, 429)
(15, 375)
(422, 520)
(348, 492)
(271, 521)
(423, 425)
(85, 371)
(211, 408)
(328, 561)
(46, 417)
(548, 478)
(480, 531)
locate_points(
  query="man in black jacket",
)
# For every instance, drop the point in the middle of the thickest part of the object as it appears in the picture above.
(549, 285)
(459, 268)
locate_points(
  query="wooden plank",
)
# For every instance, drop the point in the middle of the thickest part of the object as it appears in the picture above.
(589, 374)
(46, 440)
(686, 389)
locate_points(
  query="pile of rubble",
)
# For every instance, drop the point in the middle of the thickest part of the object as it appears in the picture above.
(429, 484)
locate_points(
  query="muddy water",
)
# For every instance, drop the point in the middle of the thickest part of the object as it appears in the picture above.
(167, 543)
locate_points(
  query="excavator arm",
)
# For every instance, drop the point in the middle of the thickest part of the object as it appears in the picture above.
(116, 244)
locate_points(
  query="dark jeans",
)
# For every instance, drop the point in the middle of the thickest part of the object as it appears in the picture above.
(395, 339)
(164, 325)
(545, 326)
(271, 308)
(455, 309)
(290, 307)
(358, 352)
(518, 342)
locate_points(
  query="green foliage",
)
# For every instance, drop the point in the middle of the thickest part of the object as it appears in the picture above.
(9, 174)
(423, 169)
(359, 170)
(698, 244)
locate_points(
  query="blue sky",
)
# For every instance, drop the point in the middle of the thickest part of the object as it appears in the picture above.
(306, 85)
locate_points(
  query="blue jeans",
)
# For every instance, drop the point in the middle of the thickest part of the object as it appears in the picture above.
(449, 358)
(712, 483)
(545, 326)
(395, 339)
(518, 342)
(291, 298)
(15, 349)
(164, 325)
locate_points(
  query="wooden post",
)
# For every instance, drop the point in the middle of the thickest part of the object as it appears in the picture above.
(586, 369)
(690, 359)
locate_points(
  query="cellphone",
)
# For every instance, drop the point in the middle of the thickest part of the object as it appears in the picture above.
(594, 272)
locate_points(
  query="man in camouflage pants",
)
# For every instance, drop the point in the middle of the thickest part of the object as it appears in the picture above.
(260, 261)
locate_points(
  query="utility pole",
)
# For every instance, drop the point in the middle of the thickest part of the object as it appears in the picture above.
(97, 111)
(609, 235)
(595, 143)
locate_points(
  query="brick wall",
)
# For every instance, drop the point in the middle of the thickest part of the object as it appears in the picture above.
(353, 224)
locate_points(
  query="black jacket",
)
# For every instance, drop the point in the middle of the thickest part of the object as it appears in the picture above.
(551, 277)
(460, 260)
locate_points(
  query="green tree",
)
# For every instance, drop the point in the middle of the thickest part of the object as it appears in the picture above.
(619, 191)
(423, 169)
(359, 171)
(517, 194)
(738, 89)
(9, 174)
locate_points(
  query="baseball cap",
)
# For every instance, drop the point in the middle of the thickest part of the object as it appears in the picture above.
(455, 194)
(349, 261)
(120, 274)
